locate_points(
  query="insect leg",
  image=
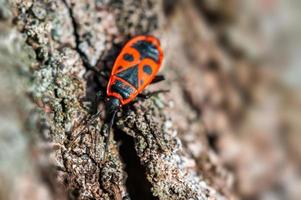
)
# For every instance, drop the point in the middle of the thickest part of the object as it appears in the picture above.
(99, 96)
(90, 121)
(99, 76)
(150, 94)
(158, 79)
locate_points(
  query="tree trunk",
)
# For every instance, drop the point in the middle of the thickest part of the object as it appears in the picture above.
(194, 142)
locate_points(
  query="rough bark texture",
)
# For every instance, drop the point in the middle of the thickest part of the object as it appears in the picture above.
(203, 140)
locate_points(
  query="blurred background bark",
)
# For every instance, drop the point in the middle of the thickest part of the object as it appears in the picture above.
(228, 128)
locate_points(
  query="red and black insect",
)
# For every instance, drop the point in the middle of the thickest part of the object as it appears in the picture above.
(134, 69)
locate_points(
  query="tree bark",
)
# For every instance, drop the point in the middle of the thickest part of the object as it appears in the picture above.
(175, 145)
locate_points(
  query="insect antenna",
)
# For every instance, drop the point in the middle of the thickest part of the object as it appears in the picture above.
(107, 130)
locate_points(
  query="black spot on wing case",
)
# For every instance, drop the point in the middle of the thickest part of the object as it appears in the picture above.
(147, 50)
